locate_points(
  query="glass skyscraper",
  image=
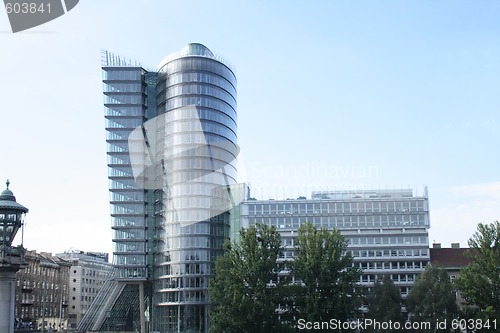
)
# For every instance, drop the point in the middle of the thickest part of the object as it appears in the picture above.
(172, 147)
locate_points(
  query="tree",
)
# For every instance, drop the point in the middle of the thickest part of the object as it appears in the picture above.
(245, 301)
(479, 282)
(432, 299)
(384, 302)
(328, 280)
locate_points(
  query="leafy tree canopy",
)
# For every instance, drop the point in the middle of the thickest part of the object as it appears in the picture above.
(328, 286)
(244, 300)
(432, 298)
(479, 282)
(384, 302)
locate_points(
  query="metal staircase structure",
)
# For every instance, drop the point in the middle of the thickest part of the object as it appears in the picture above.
(117, 307)
(96, 313)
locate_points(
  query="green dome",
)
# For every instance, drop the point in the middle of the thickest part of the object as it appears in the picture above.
(8, 200)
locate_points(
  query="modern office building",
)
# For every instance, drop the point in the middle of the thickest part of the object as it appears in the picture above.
(453, 259)
(171, 137)
(387, 230)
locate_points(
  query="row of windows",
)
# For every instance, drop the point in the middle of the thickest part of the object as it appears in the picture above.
(195, 188)
(202, 127)
(35, 312)
(181, 282)
(38, 285)
(126, 196)
(91, 290)
(214, 178)
(118, 134)
(199, 141)
(198, 77)
(124, 122)
(219, 149)
(407, 240)
(138, 221)
(120, 73)
(186, 255)
(123, 98)
(370, 240)
(120, 159)
(94, 273)
(391, 265)
(196, 64)
(169, 317)
(131, 273)
(128, 209)
(122, 184)
(122, 87)
(202, 101)
(129, 247)
(124, 110)
(129, 234)
(37, 298)
(189, 216)
(200, 113)
(202, 228)
(183, 297)
(194, 242)
(371, 278)
(167, 270)
(196, 89)
(131, 260)
(116, 148)
(331, 222)
(88, 299)
(337, 207)
(422, 252)
(124, 171)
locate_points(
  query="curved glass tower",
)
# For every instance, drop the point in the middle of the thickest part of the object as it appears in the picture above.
(172, 150)
(195, 151)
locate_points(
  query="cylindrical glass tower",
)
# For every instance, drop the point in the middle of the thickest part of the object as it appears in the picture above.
(195, 153)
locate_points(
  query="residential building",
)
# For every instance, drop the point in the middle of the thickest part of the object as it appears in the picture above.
(171, 137)
(453, 259)
(42, 292)
(88, 272)
(387, 230)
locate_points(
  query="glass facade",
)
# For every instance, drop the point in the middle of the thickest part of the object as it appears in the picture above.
(196, 95)
(172, 147)
(387, 230)
(125, 106)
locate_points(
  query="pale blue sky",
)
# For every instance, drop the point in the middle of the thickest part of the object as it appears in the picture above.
(331, 94)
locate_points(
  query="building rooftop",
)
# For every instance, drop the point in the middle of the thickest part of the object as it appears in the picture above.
(195, 50)
(449, 257)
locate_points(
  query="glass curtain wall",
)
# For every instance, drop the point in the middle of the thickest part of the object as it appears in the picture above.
(196, 136)
(125, 107)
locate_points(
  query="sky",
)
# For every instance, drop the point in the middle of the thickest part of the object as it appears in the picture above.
(331, 95)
